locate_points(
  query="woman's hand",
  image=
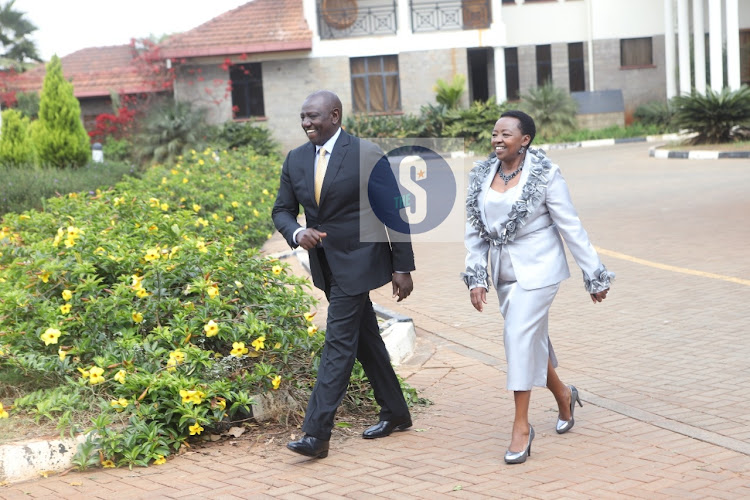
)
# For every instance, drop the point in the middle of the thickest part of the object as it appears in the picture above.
(599, 296)
(478, 297)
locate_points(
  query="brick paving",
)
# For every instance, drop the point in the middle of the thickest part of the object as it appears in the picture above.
(661, 367)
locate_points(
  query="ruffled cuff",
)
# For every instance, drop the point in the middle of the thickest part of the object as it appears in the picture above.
(600, 281)
(476, 277)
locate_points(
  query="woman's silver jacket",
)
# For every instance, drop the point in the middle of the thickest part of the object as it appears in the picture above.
(540, 216)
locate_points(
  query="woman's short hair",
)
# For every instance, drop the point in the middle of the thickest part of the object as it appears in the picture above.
(528, 127)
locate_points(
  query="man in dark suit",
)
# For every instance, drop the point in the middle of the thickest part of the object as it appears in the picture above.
(349, 256)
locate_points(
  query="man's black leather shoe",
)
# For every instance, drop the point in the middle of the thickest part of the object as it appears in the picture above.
(309, 446)
(386, 427)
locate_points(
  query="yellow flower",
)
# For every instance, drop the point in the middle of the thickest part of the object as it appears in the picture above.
(277, 345)
(164, 207)
(238, 284)
(120, 376)
(99, 251)
(222, 403)
(276, 381)
(119, 200)
(229, 218)
(152, 228)
(212, 291)
(95, 375)
(137, 317)
(61, 354)
(44, 276)
(84, 373)
(137, 281)
(3, 413)
(65, 308)
(69, 242)
(309, 316)
(255, 212)
(196, 207)
(153, 202)
(108, 464)
(215, 216)
(50, 336)
(259, 343)
(201, 246)
(74, 232)
(160, 460)
(312, 330)
(119, 403)
(265, 192)
(141, 293)
(201, 162)
(67, 295)
(235, 204)
(276, 270)
(184, 180)
(195, 397)
(211, 328)
(178, 356)
(195, 429)
(238, 349)
(171, 363)
(152, 254)
(201, 222)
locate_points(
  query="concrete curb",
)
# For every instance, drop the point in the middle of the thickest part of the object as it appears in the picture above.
(27, 460)
(611, 142)
(663, 154)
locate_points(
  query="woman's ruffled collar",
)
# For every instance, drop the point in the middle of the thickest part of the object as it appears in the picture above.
(527, 203)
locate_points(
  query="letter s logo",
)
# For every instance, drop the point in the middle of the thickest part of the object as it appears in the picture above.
(416, 210)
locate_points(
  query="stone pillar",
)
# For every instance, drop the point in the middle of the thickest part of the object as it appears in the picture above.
(669, 49)
(403, 16)
(683, 49)
(714, 45)
(501, 91)
(733, 45)
(699, 47)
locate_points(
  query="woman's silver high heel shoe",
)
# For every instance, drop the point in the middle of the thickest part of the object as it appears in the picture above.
(564, 426)
(519, 457)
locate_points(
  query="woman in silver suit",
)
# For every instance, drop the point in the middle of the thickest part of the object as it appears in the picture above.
(519, 211)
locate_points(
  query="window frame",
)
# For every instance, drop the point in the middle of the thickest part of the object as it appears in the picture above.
(384, 75)
(637, 65)
(248, 83)
(576, 66)
(543, 65)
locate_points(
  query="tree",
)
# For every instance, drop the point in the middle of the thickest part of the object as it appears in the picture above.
(553, 110)
(18, 51)
(58, 135)
(15, 145)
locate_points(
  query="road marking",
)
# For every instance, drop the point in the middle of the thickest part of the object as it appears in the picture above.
(665, 267)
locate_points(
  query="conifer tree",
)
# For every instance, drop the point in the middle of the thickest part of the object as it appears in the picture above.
(15, 143)
(59, 137)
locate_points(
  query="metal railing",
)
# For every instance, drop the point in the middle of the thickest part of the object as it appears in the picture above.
(450, 15)
(363, 19)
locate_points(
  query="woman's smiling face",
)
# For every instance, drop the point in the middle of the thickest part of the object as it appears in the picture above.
(507, 138)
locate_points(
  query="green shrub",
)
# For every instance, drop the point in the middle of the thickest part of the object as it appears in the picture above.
(170, 129)
(28, 104)
(381, 126)
(475, 124)
(245, 134)
(27, 187)
(449, 94)
(117, 149)
(58, 135)
(659, 113)
(15, 144)
(554, 110)
(713, 116)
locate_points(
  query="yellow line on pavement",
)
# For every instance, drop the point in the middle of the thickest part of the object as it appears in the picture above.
(665, 267)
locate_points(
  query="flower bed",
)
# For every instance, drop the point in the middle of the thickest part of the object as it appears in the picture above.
(148, 306)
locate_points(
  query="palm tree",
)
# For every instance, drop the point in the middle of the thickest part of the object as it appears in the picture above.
(553, 109)
(17, 50)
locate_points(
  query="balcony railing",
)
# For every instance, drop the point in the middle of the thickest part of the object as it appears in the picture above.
(450, 15)
(350, 18)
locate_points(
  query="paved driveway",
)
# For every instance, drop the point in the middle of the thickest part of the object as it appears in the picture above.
(662, 366)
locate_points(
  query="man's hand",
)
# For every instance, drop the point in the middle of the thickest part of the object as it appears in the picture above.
(402, 285)
(599, 296)
(310, 238)
(478, 297)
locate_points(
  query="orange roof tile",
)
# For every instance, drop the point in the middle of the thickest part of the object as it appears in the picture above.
(257, 26)
(95, 72)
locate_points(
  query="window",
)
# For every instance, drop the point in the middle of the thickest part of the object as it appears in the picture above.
(575, 67)
(247, 90)
(745, 56)
(636, 52)
(512, 87)
(375, 84)
(543, 64)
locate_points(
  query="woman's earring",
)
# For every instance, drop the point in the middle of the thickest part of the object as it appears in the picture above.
(521, 150)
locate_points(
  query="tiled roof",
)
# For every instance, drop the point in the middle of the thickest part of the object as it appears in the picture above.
(257, 26)
(95, 72)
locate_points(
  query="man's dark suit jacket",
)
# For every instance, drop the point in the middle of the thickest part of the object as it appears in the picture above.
(359, 255)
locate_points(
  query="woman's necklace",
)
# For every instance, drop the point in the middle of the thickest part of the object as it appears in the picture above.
(508, 177)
